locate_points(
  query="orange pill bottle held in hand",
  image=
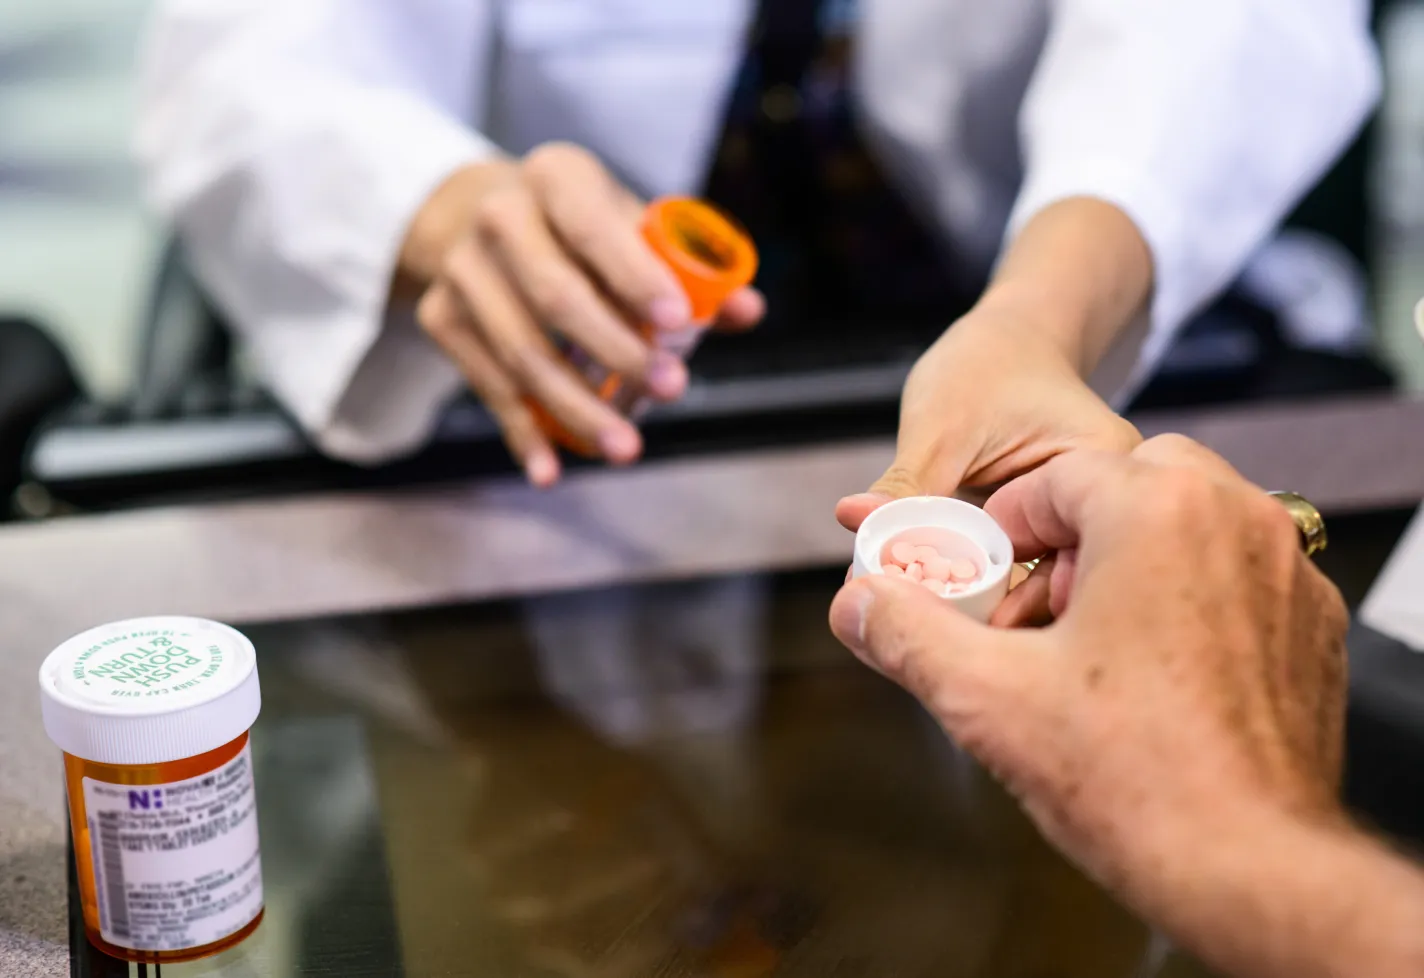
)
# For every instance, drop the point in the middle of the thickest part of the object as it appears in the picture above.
(711, 256)
(153, 715)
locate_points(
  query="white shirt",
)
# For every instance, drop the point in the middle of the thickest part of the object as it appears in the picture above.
(291, 143)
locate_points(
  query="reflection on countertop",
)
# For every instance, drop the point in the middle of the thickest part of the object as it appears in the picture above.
(686, 780)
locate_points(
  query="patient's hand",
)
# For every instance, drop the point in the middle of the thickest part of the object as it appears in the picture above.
(1190, 690)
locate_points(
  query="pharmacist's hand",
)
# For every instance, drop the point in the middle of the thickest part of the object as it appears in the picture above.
(513, 255)
(990, 400)
(1194, 682)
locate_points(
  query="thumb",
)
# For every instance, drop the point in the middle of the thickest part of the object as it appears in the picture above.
(952, 664)
(898, 482)
(931, 459)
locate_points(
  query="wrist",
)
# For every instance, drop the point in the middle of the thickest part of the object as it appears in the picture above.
(1077, 275)
(1032, 317)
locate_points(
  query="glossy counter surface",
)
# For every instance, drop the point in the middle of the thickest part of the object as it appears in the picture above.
(685, 780)
(300, 558)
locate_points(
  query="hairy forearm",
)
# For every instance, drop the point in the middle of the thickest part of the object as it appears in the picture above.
(1276, 897)
(1077, 274)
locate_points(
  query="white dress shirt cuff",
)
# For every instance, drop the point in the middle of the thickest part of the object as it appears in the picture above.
(362, 379)
(395, 397)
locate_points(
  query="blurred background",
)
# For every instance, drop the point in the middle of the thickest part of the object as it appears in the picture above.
(145, 403)
(80, 258)
(78, 250)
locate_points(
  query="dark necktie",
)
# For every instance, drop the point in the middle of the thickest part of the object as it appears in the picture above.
(842, 256)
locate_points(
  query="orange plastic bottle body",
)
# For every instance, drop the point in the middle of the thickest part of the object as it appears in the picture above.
(711, 256)
(152, 717)
(76, 770)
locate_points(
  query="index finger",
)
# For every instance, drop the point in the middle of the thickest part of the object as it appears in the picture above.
(1051, 507)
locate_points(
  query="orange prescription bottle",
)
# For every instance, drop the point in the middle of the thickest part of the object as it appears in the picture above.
(711, 256)
(152, 715)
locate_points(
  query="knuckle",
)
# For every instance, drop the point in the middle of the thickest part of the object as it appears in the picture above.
(1184, 504)
(427, 308)
(500, 214)
(451, 266)
(1179, 451)
(582, 235)
(1123, 435)
(898, 482)
(631, 358)
(552, 294)
(454, 264)
(1171, 443)
(524, 358)
(1269, 525)
(1333, 608)
(551, 160)
(432, 314)
(1178, 498)
(503, 402)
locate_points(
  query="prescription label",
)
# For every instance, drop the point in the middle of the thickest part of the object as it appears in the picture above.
(176, 865)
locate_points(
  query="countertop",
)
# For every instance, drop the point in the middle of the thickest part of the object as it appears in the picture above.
(331, 554)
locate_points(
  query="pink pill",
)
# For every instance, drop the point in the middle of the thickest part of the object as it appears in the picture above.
(962, 570)
(893, 570)
(902, 553)
(934, 584)
(926, 554)
(938, 568)
(915, 572)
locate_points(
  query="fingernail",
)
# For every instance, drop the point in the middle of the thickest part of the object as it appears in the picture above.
(619, 444)
(849, 614)
(870, 501)
(877, 498)
(667, 376)
(542, 469)
(670, 312)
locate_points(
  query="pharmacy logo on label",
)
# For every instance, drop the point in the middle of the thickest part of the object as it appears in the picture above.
(146, 799)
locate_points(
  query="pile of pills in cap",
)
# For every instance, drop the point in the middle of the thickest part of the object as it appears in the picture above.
(943, 572)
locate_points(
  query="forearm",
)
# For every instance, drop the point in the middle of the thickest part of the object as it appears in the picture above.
(1076, 276)
(1286, 899)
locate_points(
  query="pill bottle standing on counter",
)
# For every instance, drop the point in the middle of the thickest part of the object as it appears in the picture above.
(153, 715)
(711, 257)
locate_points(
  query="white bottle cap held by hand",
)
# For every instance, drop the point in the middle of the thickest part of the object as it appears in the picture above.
(924, 537)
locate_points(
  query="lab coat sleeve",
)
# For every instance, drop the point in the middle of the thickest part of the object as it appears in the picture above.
(290, 144)
(1205, 121)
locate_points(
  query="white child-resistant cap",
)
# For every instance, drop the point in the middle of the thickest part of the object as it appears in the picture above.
(942, 513)
(149, 690)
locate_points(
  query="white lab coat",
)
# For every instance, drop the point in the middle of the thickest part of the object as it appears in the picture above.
(291, 142)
